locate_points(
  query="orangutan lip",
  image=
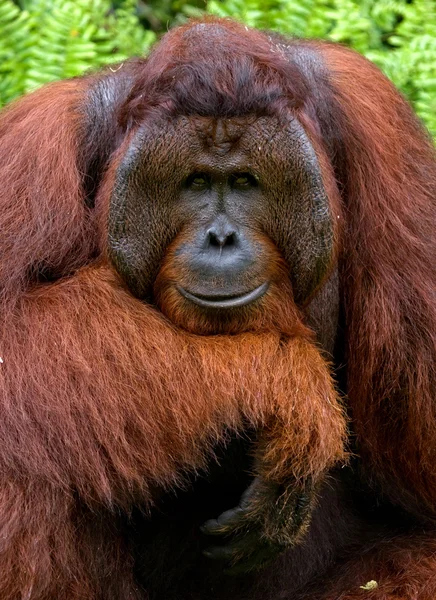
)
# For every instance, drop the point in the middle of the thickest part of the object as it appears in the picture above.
(221, 301)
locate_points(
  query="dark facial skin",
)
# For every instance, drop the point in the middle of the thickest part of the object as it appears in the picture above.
(219, 186)
(223, 263)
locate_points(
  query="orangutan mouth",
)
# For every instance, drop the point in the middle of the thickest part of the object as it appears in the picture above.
(225, 300)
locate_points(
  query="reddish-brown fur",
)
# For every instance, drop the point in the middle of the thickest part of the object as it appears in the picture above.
(103, 399)
(391, 274)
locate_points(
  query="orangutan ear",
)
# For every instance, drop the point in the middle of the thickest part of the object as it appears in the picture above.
(102, 131)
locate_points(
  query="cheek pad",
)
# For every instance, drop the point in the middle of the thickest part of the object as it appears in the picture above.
(299, 218)
(142, 220)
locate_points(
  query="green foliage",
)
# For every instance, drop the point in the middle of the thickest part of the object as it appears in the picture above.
(47, 40)
(158, 15)
(42, 40)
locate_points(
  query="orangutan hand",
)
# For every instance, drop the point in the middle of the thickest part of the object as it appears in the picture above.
(269, 519)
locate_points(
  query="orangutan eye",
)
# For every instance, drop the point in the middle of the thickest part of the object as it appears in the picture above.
(243, 180)
(198, 180)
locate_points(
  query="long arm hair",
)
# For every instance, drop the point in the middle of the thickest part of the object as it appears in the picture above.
(385, 163)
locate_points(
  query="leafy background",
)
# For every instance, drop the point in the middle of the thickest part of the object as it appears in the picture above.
(44, 40)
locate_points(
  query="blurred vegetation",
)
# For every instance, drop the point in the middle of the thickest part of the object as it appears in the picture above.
(43, 40)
